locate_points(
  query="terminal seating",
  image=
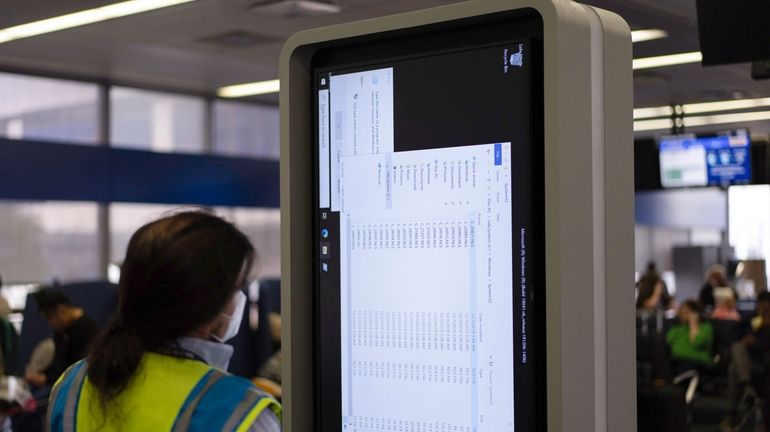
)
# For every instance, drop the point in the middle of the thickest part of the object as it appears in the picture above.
(98, 299)
(661, 410)
(726, 333)
(665, 401)
(653, 361)
(661, 406)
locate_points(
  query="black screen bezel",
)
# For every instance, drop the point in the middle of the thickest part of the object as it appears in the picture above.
(469, 33)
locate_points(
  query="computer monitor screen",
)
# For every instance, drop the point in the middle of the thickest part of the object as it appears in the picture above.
(718, 159)
(429, 231)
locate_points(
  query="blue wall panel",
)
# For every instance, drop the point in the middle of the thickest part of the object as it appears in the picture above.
(43, 171)
(31, 170)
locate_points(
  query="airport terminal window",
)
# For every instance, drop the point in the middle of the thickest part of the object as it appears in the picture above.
(749, 221)
(126, 218)
(263, 226)
(246, 129)
(48, 109)
(43, 241)
(162, 122)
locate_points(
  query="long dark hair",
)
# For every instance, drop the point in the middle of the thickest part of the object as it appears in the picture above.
(179, 273)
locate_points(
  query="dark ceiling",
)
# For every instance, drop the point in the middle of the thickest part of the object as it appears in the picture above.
(200, 46)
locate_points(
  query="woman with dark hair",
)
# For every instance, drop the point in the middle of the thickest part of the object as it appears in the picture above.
(160, 363)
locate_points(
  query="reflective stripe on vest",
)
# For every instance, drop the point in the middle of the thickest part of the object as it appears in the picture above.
(217, 401)
(188, 409)
(225, 403)
(251, 417)
(62, 411)
(241, 410)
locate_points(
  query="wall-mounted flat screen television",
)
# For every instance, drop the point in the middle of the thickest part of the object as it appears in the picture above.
(718, 159)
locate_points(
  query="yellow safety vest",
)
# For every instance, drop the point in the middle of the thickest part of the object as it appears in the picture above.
(165, 394)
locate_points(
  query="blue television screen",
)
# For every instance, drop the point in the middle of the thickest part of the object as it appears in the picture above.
(708, 160)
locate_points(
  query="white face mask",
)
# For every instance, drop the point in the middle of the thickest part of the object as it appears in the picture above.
(234, 320)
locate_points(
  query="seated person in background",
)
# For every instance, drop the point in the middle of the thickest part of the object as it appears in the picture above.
(653, 294)
(73, 333)
(42, 357)
(31, 418)
(10, 364)
(715, 278)
(725, 305)
(763, 302)
(5, 308)
(750, 363)
(690, 340)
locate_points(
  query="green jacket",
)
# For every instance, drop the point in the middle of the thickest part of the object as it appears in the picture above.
(698, 350)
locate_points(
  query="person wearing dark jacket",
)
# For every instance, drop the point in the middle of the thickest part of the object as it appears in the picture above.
(73, 332)
(653, 294)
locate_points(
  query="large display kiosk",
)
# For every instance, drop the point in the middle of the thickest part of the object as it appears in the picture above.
(457, 239)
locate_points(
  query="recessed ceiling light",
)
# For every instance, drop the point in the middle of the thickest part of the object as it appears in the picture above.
(645, 125)
(88, 16)
(726, 118)
(716, 119)
(728, 105)
(702, 107)
(667, 60)
(651, 112)
(249, 89)
(647, 35)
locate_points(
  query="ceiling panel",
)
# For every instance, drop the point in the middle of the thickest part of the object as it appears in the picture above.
(164, 48)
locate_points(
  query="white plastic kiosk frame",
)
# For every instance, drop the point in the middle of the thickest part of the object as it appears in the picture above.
(457, 210)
